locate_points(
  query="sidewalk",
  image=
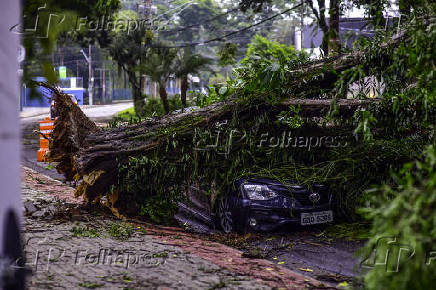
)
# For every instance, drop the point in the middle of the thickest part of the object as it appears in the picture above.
(70, 246)
(94, 111)
(29, 112)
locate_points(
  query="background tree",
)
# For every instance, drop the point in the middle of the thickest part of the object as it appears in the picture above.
(203, 16)
(159, 66)
(264, 49)
(227, 54)
(330, 30)
(130, 51)
(55, 22)
(185, 64)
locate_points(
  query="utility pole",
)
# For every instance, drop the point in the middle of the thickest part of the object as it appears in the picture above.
(298, 37)
(104, 83)
(90, 76)
(149, 16)
(302, 24)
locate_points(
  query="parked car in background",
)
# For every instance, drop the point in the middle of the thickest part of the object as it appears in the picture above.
(263, 204)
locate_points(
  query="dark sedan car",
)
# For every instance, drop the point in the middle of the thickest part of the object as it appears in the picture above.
(262, 204)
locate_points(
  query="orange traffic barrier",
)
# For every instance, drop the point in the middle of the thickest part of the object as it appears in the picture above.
(45, 130)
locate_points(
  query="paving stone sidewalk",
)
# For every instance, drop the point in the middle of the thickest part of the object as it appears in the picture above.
(59, 260)
(68, 246)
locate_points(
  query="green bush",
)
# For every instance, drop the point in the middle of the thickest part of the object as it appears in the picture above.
(142, 182)
(159, 210)
(261, 47)
(204, 100)
(402, 216)
(265, 68)
(153, 106)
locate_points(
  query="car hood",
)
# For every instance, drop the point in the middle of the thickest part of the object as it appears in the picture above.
(277, 185)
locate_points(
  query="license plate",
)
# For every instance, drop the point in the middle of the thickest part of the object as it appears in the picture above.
(319, 217)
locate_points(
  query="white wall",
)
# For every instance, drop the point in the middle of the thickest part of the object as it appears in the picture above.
(9, 122)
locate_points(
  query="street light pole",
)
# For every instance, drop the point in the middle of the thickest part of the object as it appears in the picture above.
(90, 77)
(302, 25)
(298, 37)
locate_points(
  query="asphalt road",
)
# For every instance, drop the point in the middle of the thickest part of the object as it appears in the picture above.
(310, 251)
(313, 253)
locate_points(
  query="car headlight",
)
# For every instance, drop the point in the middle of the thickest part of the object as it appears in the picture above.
(259, 192)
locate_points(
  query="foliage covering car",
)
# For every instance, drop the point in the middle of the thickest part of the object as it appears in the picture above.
(263, 204)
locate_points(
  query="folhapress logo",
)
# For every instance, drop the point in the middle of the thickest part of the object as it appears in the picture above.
(392, 255)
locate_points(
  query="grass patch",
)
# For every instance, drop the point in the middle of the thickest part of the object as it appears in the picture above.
(120, 230)
(160, 255)
(152, 108)
(127, 114)
(86, 232)
(50, 167)
(90, 285)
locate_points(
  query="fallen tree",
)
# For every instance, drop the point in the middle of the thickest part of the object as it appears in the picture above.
(92, 157)
(153, 161)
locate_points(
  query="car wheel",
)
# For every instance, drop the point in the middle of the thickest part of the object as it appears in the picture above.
(225, 219)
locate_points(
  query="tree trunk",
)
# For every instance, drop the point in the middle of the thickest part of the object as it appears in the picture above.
(184, 85)
(334, 42)
(149, 14)
(138, 99)
(184, 89)
(325, 43)
(164, 97)
(330, 40)
(324, 26)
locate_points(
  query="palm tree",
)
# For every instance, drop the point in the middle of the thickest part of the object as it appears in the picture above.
(159, 66)
(187, 63)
